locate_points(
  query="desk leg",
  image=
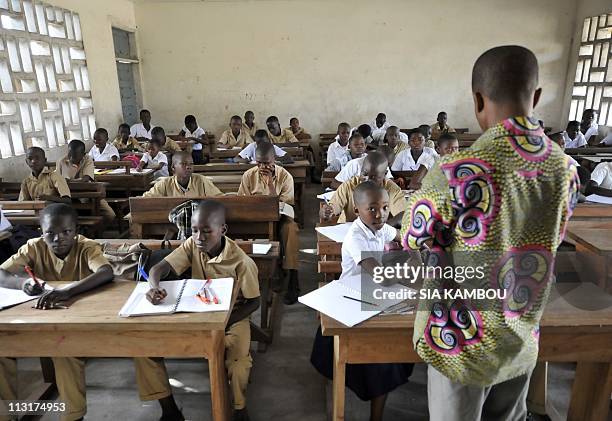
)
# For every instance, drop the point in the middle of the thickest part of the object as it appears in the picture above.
(218, 378)
(340, 351)
(591, 392)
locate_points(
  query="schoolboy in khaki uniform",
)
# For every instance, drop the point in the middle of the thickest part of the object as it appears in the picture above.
(235, 135)
(43, 183)
(277, 135)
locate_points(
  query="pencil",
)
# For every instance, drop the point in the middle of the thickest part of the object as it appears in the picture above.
(361, 301)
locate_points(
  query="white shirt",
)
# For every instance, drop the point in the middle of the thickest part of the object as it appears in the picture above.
(405, 162)
(341, 162)
(159, 158)
(335, 151)
(197, 133)
(360, 239)
(249, 152)
(353, 168)
(378, 133)
(591, 131)
(603, 175)
(403, 137)
(138, 130)
(577, 142)
(106, 155)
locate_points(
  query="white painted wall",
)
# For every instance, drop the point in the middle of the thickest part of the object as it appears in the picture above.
(334, 60)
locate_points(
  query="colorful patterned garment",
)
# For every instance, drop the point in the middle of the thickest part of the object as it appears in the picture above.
(502, 204)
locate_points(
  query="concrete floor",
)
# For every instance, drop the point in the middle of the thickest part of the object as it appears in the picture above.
(283, 385)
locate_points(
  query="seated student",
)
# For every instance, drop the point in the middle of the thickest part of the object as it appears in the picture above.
(339, 147)
(249, 124)
(589, 127)
(277, 135)
(183, 182)
(374, 168)
(210, 254)
(78, 166)
(411, 159)
(102, 150)
(351, 169)
(154, 158)
(124, 142)
(368, 233)
(572, 136)
(298, 132)
(583, 173)
(379, 127)
(365, 130)
(142, 131)
(392, 138)
(356, 149)
(191, 131)
(61, 255)
(601, 180)
(447, 144)
(167, 144)
(43, 183)
(269, 179)
(426, 130)
(247, 155)
(441, 126)
(235, 135)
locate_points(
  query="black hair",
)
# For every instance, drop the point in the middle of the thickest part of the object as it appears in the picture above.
(261, 133)
(190, 119)
(271, 119)
(365, 130)
(355, 135)
(59, 209)
(573, 123)
(127, 126)
(76, 144)
(158, 130)
(101, 131)
(249, 112)
(36, 149)
(293, 118)
(446, 137)
(361, 191)
(236, 117)
(442, 112)
(345, 125)
(212, 208)
(144, 110)
(264, 148)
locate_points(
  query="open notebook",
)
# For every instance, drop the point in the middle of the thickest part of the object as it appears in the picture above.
(12, 297)
(330, 300)
(181, 298)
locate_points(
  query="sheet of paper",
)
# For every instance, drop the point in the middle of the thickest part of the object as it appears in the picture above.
(13, 211)
(595, 198)
(222, 287)
(5, 225)
(138, 305)
(326, 196)
(261, 248)
(335, 232)
(286, 209)
(12, 297)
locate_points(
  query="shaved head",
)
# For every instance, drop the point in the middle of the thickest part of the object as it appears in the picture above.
(375, 159)
(264, 149)
(367, 192)
(211, 211)
(178, 157)
(506, 74)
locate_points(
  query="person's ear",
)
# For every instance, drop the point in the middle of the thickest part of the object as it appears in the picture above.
(355, 210)
(536, 96)
(224, 229)
(478, 102)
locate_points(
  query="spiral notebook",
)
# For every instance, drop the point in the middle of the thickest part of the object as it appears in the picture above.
(181, 298)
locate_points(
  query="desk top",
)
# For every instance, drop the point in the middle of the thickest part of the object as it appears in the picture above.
(596, 239)
(591, 210)
(229, 166)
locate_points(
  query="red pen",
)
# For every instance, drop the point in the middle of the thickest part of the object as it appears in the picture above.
(207, 286)
(30, 272)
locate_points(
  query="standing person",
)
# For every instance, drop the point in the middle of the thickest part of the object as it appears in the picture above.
(478, 205)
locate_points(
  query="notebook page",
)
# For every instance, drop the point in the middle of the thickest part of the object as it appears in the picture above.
(259, 248)
(138, 305)
(335, 232)
(11, 297)
(191, 304)
(595, 198)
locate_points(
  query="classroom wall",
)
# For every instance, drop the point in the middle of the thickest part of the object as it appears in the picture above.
(334, 60)
(97, 18)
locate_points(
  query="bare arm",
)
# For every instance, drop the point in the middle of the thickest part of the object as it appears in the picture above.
(243, 311)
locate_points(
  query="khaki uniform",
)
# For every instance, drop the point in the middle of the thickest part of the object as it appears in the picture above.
(229, 140)
(428, 144)
(84, 259)
(252, 184)
(285, 136)
(342, 200)
(131, 143)
(199, 186)
(301, 133)
(47, 183)
(437, 131)
(250, 130)
(232, 262)
(400, 147)
(85, 168)
(170, 146)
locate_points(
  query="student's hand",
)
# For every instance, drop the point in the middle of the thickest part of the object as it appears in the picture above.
(326, 212)
(156, 295)
(266, 172)
(44, 197)
(32, 288)
(139, 168)
(52, 298)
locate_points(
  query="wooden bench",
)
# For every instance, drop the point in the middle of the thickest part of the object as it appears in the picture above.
(247, 216)
(126, 183)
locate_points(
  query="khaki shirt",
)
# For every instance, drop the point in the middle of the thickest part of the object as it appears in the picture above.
(400, 147)
(71, 171)
(286, 136)
(301, 133)
(232, 262)
(228, 139)
(437, 131)
(429, 144)
(342, 200)
(47, 183)
(171, 146)
(249, 130)
(253, 184)
(131, 143)
(199, 186)
(84, 259)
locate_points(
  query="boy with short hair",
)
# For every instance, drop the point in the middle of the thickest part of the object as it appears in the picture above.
(298, 132)
(572, 136)
(249, 124)
(247, 155)
(441, 126)
(392, 138)
(269, 179)
(379, 127)
(589, 126)
(43, 183)
(102, 150)
(357, 148)
(183, 182)
(374, 169)
(411, 159)
(447, 144)
(277, 135)
(211, 255)
(340, 146)
(167, 144)
(235, 135)
(154, 158)
(124, 141)
(142, 131)
(192, 131)
(61, 256)
(426, 130)
(351, 169)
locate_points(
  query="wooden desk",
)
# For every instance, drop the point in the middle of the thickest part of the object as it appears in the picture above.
(91, 327)
(589, 150)
(592, 212)
(568, 334)
(134, 182)
(593, 254)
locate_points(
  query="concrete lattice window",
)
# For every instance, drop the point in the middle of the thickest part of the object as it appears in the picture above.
(593, 82)
(45, 97)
